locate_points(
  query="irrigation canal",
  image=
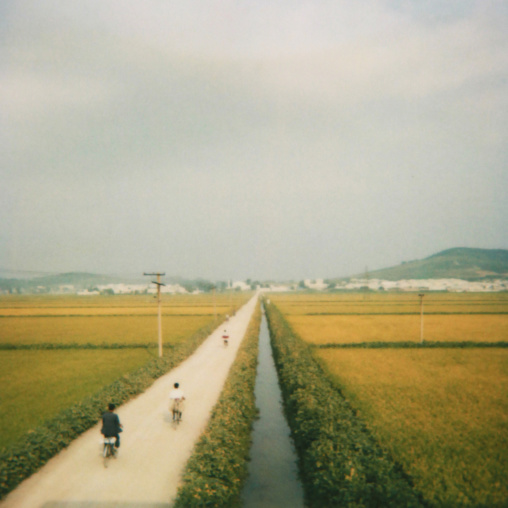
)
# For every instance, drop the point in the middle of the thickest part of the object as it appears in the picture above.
(273, 474)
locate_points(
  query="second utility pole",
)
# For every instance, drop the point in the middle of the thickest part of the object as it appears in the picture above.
(159, 284)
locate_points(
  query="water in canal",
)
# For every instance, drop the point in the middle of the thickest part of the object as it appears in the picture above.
(273, 478)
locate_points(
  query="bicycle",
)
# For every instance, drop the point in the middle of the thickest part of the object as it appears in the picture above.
(109, 450)
(225, 337)
(177, 411)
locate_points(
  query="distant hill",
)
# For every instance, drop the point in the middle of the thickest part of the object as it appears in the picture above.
(83, 280)
(79, 280)
(458, 263)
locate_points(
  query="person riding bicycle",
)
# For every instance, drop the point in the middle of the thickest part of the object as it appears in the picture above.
(177, 397)
(111, 426)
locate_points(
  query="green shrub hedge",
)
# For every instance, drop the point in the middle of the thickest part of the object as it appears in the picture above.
(340, 462)
(25, 458)
(412, 345)
(217, 469)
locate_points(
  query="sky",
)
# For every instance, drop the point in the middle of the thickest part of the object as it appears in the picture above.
(255, 139)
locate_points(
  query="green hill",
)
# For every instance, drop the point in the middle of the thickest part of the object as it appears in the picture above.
(458, 263)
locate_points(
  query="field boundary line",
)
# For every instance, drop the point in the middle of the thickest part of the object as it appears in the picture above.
(411, 345)
(398, 314)
(49, 346)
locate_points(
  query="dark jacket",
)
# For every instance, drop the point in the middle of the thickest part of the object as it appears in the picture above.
(110, 424)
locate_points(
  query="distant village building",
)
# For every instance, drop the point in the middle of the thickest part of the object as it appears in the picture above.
(317, 284)
(240, 285)
(450, 285)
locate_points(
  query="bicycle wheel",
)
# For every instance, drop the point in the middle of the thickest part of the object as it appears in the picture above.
(105, 454)
(108, 452)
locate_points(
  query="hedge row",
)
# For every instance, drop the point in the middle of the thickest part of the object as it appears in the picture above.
(25, 458)
(215, 473)
(414, 345)
(473, 313)
(74, 345)
(340, 462)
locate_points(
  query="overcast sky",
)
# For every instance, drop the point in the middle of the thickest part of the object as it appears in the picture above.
(254, 139)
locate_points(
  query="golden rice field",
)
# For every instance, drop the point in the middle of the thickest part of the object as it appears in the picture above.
(395, 317)
(98, 329)
(337, 329)
(402, 307)
(110, 311)
(306, 298)
(103, 320)
(443, 414)
(36, 384)
(168, 302)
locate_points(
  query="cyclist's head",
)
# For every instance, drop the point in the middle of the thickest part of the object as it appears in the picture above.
(176, 385)
(111, 406)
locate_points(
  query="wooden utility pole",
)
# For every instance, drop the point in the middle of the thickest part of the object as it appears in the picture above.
(214, 306)
(421, 295)
(159, 284)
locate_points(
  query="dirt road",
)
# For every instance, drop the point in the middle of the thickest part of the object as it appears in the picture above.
(153, 452)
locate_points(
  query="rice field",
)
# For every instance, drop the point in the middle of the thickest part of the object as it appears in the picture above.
(348, 319)
(443, 414)
(338, 329)
(391, 303)
(36, 384)
(98, 329)
(106, 320)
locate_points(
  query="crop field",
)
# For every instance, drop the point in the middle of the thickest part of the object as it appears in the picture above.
(98, 330)
(127, 320)
(337, 329)
(37, 384)
(343, 319)
(441, 412)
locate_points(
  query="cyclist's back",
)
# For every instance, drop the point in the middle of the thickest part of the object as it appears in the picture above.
(111, 426)
(177, 397)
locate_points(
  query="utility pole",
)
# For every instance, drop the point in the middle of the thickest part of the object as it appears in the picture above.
(159, 284)
(421, 295)
(214, 306)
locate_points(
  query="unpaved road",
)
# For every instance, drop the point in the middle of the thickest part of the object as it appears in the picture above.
(153, 452)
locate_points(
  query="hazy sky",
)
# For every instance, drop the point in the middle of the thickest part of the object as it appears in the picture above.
(254, 139)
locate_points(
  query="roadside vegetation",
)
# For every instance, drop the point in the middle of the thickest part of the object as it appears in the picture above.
(215, 473)
(74, 385)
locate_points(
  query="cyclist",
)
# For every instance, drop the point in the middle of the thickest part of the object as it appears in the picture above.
(111, 426)
(177, 397)
(225, 336)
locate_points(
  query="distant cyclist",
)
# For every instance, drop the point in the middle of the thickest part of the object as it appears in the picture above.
(177, 397)
(111, 426)
(225, 336)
